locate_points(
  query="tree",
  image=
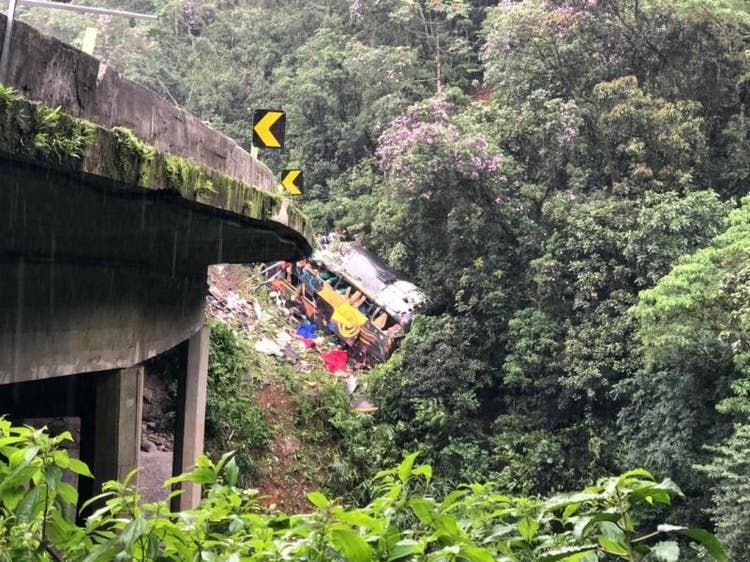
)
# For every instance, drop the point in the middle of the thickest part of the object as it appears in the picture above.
(692, 326)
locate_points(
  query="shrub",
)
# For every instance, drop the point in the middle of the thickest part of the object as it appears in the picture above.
(473, 523)
(233, 422)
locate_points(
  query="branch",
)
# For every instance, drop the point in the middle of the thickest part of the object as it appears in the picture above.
(646, 537)
(52, 552)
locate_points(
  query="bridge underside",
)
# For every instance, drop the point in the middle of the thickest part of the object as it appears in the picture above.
(96, 278)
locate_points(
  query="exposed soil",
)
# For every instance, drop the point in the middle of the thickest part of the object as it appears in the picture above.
(281, 480)
(293, 465)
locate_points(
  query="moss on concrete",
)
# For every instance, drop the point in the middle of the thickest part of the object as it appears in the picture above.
(47, 137)
(134, 157)
(43, 133)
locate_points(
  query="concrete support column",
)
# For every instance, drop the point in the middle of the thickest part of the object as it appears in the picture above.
(191, 414)
(111, 426)
(117, 438)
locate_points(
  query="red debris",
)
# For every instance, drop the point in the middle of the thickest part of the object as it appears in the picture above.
(335, 360)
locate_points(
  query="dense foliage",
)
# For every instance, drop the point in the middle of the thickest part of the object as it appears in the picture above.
(535, 165)
(233, 422)
(402, 522)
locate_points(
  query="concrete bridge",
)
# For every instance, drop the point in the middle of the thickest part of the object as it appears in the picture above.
(111, 210)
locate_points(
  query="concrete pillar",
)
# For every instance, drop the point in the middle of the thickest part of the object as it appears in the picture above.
(111, 426)
(191, 414)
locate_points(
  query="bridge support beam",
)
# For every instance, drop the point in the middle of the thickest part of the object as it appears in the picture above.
(111, 427)
(191, 413)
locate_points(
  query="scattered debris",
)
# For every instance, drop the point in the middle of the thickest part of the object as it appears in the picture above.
(268, 347)
(351, 384)
(224, 304)
(298, 343)
(306, 331)
(335, 360)
(364, 406)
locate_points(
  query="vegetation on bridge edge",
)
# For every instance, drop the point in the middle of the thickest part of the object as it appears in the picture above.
(34, 133)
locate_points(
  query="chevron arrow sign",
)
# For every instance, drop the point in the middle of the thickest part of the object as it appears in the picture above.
(269, 127)
(293, 181)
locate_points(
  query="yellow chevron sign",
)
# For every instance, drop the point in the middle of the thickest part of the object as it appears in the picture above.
(293, 181)
(269, 127)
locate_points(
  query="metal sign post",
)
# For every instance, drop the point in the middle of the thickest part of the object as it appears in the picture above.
(5, 55)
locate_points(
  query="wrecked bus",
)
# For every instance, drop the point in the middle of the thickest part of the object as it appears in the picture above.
(347, 290)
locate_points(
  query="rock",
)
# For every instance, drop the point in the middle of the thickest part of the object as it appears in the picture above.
(147, 446)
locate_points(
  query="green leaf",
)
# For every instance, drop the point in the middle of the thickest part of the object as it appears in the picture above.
(19, 476)
(133, 531)
(582, 557)
(96, 499)
(61, 458)
(446, 526)
(584, 524)
(5, 441)
(613, 547)
(79, 467)
(424, 509)
(563, 500)
(404, 469)
(660, 492)
(709, 541)
(58, 528)
(231, 471)
(568, 553)
(635, 473)
(361, 519)
(351, 545)
(130, 477)
(12, 497)
(318, 500)
(475, 554)
(198, 475)
(223, 460)
(68, 493)
(28, 454)
(423, 470)
(612, 531)
(105, 552)
(666, 551)
(52, 478)
(528, 528)
(30, 504)
(404, 548)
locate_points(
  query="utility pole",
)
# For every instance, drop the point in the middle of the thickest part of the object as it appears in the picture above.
(12, 4)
